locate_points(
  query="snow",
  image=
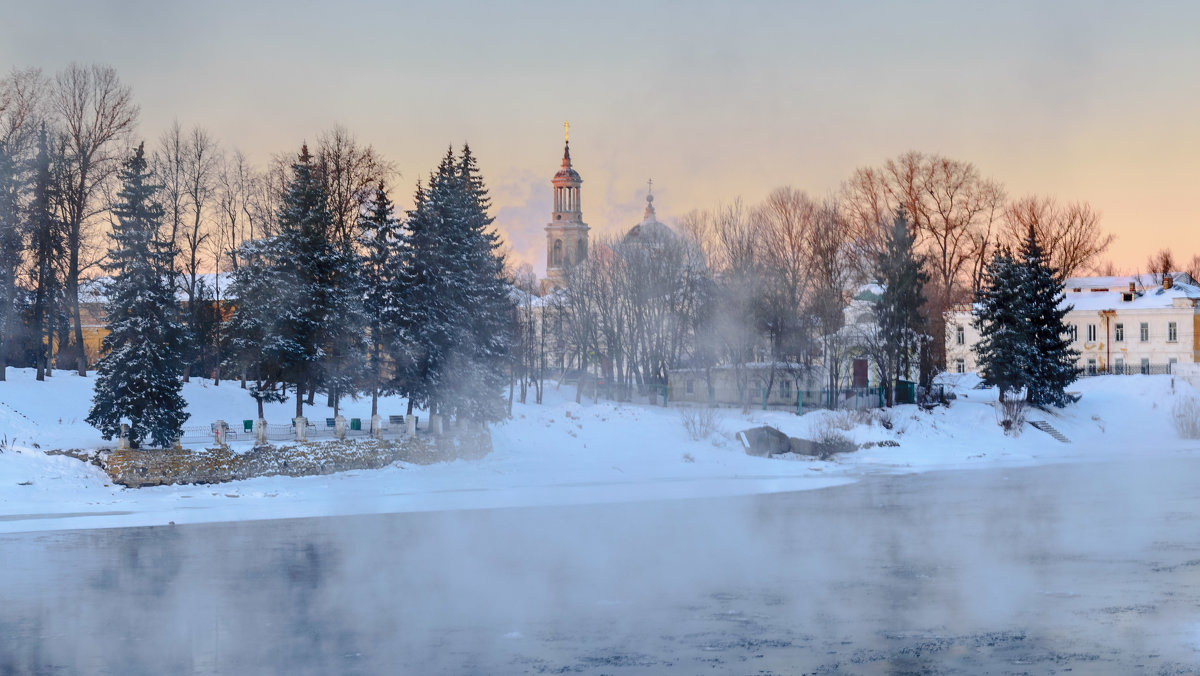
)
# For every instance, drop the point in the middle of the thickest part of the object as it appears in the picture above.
(558, 453)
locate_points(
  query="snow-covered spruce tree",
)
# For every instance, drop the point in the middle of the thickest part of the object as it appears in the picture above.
(898, 312)
(1004, 352)
(251, 331)
(454, 295)
(346, 324)
(315, 288)
(490, 302)
(140, 375)
(379, 239)
(1053, 362)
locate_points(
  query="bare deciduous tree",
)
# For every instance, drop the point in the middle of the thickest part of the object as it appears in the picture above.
(1069, 233)
(349, 173)
(94, 112)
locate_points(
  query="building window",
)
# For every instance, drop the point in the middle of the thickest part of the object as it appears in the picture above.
(960, 336)
(960, 365)
(785, 389)
(1091, 333)
(1073, 332)
(1091, 367)
(1119, 332)
(1143, 332)
(1172, 332)
(1145, 365)
(556, 260)
(1119, 367)
(691, 384)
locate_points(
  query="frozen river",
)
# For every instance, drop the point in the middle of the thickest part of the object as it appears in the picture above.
(1086, 569)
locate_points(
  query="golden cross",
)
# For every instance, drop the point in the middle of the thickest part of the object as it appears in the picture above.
(567, 131)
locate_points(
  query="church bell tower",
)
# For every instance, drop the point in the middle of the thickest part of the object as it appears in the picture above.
(566, 233)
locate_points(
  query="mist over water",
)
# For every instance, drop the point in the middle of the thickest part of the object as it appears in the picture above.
(1089, 567)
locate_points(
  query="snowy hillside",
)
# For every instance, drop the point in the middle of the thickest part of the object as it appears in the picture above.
(559, 453)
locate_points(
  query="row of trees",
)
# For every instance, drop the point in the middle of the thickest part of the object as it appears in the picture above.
(419, 308)
(736, 285)
(774, 282)
(62, 139)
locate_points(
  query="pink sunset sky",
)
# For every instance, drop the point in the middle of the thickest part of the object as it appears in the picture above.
(713, 100)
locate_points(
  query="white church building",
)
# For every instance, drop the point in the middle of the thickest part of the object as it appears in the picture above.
(1122, 325)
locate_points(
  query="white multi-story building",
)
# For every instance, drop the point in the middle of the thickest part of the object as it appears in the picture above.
(1118, 324)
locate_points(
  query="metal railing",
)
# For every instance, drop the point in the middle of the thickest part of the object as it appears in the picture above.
(1126, 370)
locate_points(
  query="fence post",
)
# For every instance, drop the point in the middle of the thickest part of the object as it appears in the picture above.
(219, 431)
(410, 425)
(301, 425)
(377, 426)
(260, 432)
(339, 426)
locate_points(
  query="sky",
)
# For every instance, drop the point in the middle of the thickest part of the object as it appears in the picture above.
(1090, 101)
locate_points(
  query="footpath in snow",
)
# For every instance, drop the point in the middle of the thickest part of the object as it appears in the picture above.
(559, 452)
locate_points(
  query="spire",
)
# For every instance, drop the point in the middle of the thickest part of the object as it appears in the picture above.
(649, 201)
(566, 145)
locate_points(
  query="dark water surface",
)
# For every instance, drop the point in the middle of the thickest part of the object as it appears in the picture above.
(1083, 569)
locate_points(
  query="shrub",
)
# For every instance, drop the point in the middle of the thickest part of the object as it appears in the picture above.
(1011, 414)
(1186, 416)
(699, 422)
(884, 417)
(828, 437)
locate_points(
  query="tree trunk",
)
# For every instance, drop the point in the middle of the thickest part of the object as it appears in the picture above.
(80, 355)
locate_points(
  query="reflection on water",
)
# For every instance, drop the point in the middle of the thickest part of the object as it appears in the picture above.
(1091, 568)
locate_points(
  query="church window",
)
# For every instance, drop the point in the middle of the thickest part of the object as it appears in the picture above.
(558, 252)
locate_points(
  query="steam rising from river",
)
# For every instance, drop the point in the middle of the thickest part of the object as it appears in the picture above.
(1084, 560)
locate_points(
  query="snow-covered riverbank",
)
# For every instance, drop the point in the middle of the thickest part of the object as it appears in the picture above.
(557, 453)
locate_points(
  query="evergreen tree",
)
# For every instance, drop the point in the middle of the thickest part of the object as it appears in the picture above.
(898, 313)
(1004, 351)
(1053, 363)
(379, 238)
(346, 324)
(455, 298)
(45, 234)
(301, 267)
(252, 326)
(299, 319)
(489, 300)
(140, 375)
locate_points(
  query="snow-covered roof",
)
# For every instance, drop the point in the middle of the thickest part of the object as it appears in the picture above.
(1120, 282)
(1146, 298)
(1093, 294)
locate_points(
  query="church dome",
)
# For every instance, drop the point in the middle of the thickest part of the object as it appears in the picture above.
(567, 174)
(649, 231)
